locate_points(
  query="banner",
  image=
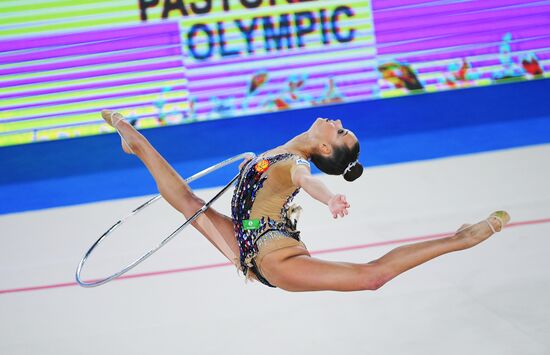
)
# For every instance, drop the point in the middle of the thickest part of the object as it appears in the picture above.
(247, 59)
(180, 61)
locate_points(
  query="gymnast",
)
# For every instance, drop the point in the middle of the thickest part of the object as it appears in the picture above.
(261, 238)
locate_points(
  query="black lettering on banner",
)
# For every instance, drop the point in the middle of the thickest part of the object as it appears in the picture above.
(273, 2)
(301, 28)
(251, 4)
(334, 22)
(144, 5)
(171, 5)
(247, 32)
(195, 29)
(225, 4)
(201, 7)
(199, 10)
(282, 31)
(270, 34)
(324, 30)
(222, 42)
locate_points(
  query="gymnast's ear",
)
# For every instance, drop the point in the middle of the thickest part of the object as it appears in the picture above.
(324, 149)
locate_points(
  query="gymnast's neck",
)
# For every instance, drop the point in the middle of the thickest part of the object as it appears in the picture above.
(301, 145)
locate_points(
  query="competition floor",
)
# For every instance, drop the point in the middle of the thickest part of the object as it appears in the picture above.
(493, 299)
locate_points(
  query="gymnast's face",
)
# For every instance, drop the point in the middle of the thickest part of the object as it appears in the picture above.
(330, 133)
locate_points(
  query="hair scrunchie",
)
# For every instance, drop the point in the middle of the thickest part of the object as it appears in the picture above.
(350, 165)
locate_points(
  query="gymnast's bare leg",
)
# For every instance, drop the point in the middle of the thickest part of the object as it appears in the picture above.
(293, 269)
(216, 227)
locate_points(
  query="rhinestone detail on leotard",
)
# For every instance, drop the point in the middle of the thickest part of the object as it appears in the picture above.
(249, 183)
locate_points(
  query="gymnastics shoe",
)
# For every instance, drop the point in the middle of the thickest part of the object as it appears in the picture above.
(113, 118)
(502, 217)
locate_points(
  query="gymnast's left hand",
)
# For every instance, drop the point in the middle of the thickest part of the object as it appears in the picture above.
(338, 206)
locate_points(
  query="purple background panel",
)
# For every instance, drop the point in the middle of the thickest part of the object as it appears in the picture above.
(414, 30)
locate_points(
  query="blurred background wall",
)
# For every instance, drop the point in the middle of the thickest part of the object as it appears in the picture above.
(206, 79)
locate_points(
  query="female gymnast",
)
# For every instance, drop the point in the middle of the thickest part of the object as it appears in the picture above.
(261, 237)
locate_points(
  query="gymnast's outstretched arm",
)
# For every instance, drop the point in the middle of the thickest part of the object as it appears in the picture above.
(216, 227)
(337, 203)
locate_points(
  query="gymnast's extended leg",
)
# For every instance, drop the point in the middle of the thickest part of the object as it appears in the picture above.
(216, 227)
(293, 269)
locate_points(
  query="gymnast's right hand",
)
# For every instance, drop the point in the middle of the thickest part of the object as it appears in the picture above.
(338, 206)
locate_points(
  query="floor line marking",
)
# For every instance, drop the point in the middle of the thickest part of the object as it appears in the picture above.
(224, 264)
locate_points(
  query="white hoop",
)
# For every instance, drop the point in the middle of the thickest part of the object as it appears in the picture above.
(130, 266)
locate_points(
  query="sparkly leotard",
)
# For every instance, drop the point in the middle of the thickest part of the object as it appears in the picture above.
(266, 211)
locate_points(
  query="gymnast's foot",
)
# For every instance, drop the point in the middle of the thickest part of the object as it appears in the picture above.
(117, 121)
(473, 234)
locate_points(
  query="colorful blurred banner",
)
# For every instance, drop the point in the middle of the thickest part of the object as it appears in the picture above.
(279, 57)
(171, 62)
(436, 45)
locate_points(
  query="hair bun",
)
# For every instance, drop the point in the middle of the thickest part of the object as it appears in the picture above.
(354, 172)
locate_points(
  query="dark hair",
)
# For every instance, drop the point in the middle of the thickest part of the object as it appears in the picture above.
(337, 163)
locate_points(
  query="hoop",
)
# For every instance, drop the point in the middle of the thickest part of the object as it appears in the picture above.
(134, 263)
